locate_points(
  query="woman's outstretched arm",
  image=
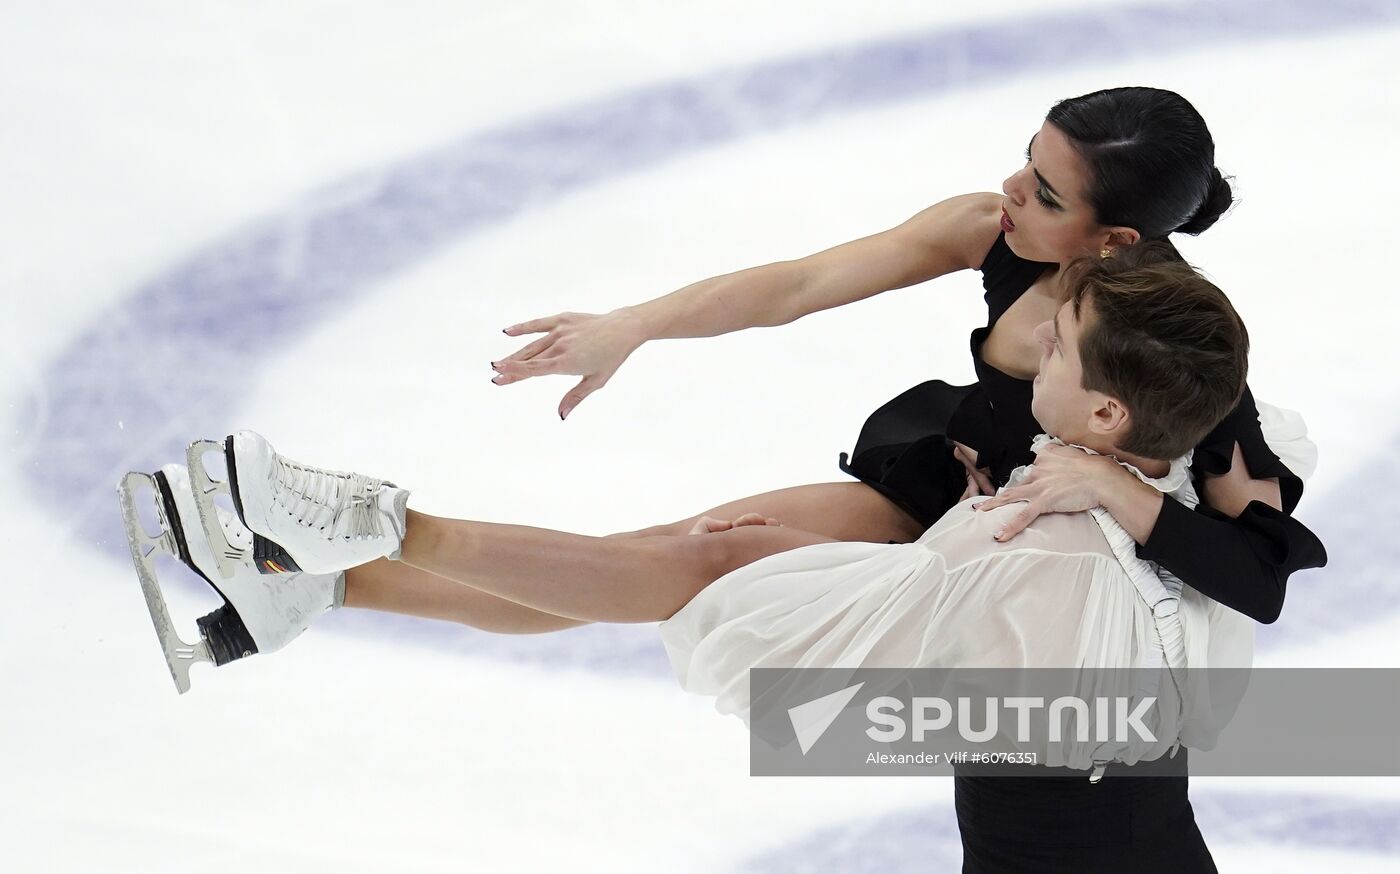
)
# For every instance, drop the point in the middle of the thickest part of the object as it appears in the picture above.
(948, 236)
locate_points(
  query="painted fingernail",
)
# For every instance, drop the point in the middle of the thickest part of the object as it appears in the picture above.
(1000, 534)
(496, 380)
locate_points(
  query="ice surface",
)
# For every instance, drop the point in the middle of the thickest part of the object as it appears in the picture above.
(219, 215)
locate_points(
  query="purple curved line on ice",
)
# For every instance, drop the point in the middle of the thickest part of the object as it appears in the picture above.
(223, 308)
(1361, 582)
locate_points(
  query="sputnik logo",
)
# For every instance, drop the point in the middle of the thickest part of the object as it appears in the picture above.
(811, 720)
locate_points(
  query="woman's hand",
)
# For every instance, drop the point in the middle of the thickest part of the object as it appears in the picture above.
(711, 525)
(1063, 480)
(979, 479)
(590, 345)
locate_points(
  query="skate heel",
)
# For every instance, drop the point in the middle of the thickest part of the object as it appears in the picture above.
(269, 558)
(179, 655)
(227, 638)
(227, 556)
(266, 556)
(260, 613)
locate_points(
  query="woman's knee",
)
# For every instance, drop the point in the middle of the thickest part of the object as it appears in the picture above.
(730, 550)
(653, 531)
(697, 559)
(839, 511)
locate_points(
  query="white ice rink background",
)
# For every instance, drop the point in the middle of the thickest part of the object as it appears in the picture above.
(314, 218)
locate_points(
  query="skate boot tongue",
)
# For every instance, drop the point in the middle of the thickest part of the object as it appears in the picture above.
(340, 504)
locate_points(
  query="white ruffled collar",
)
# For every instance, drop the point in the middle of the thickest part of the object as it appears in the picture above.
(1177, 477)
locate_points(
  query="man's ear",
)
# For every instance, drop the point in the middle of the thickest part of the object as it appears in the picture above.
(1110, 419)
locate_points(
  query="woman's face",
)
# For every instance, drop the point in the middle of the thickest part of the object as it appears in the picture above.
(1045, 202)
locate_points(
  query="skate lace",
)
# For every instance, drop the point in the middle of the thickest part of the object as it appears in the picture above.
(343, 503)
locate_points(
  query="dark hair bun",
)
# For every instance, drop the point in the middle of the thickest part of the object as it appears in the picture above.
(1217, 201)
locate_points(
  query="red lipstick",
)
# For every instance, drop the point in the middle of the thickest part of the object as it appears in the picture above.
(1006, 223)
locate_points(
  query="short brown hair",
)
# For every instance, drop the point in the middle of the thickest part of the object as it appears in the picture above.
(1164, 341)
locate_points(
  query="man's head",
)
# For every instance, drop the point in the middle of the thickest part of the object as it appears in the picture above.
(1145, 358)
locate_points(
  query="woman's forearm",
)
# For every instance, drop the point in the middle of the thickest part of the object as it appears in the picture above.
(1133, 503)
(756, 297)
(953, 234)
(1241, 561)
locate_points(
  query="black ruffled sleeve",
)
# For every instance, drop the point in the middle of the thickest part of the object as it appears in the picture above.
(1215, 454)
(1244, 562)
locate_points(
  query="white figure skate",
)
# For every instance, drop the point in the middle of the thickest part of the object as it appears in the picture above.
(261, 614)
(302, 518)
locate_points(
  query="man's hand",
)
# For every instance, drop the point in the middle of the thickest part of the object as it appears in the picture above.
(1063, 480)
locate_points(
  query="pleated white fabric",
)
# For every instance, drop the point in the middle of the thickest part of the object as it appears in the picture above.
(1068, 592)
(1287, 435)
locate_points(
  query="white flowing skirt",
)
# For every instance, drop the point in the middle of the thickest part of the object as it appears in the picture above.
(1053, 597)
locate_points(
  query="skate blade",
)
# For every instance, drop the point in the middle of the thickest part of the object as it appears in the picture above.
(227, 556)
(179, 655)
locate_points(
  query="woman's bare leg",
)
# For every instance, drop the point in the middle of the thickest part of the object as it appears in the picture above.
(837, 511)
(394, 587)
(600, 579)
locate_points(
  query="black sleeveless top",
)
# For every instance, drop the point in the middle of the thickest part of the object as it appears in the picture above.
(905, 452)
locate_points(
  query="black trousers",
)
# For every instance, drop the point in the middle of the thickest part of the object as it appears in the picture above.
(1135, 820)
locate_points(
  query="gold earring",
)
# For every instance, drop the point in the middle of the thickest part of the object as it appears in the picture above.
(1105, 254)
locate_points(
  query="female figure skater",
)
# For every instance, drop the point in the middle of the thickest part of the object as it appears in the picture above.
(1104, 171)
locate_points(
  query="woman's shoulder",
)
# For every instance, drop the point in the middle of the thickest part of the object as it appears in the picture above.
(965, 227)
(982, 218)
